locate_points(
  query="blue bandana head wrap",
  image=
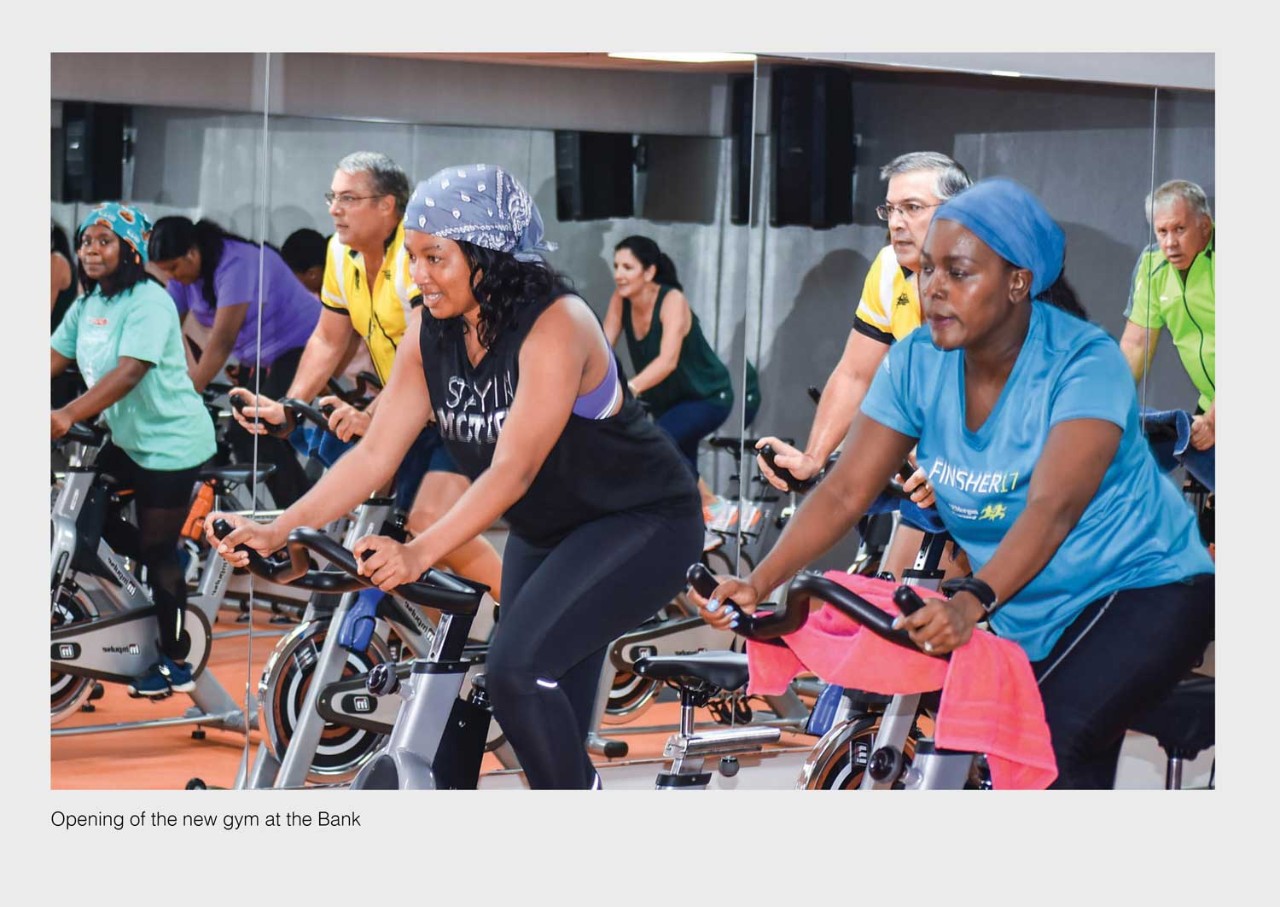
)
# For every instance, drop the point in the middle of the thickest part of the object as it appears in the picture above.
(1009, 219)
(481, 204)
(130, 224)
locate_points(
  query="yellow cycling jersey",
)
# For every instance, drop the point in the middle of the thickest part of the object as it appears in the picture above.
(890, 307)
(378, 315)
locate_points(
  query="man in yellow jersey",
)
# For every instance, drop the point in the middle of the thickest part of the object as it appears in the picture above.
(889, 309)
(367, 293)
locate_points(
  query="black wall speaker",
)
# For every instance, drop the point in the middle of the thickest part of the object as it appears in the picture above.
(93, 151)
(811, 120)
(595, 176)
(741, 134)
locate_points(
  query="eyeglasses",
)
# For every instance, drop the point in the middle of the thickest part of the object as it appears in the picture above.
(911, 210)
(345, 199)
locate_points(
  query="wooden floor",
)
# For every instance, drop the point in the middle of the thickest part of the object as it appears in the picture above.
(167, 757)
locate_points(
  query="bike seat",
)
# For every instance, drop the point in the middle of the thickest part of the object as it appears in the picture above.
(1183, 723)
(237, 475)
(726, 670)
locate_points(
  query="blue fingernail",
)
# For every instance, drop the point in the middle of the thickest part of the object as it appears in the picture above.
(733, 623)
(897, 623)
(713, 604)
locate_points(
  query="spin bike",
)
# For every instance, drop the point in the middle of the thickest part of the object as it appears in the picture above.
(844, 720)
(624, 695)
(439, 737)
(102, 616)
(320, 724)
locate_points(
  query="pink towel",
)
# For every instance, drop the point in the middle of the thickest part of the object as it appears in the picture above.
(990, 701)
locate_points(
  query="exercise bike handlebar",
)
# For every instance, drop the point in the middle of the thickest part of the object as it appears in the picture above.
(291, 566)
(313, 414)
(434, 589)
(763, 626)
(893, 489)
(85, 434)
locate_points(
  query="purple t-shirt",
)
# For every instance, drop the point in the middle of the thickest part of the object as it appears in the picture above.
(288, 318)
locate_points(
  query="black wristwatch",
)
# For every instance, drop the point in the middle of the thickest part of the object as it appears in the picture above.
(985, 595)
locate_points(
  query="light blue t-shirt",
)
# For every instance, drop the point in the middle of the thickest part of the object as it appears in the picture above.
(161, 423)
(1136, 532)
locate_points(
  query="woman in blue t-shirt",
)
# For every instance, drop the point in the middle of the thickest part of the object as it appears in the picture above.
(124, 336)
(218, 278)
(1026, 421)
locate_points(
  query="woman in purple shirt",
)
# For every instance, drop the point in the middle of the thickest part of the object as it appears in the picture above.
(214, 275)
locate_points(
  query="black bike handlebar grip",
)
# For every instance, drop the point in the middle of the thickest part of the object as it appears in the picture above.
(798, 485)
(761, 626)
(296, 406)
(436, 589)
(907, 600)
(85, 434)
(852, 605)
(281, 567)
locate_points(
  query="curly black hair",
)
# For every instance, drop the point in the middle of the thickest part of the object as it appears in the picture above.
(504, 286)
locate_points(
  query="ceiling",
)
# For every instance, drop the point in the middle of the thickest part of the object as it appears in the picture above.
(572, 60)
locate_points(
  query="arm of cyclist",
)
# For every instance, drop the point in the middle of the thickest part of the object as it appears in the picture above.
(677, 320)
(612, 323)
(1204, 428)
(324, 350)
(1138, 344)
(227, 322)
(360, 471)
(1067, 475)
(111, 388)
(58, 363)
(822, 519)
(841, 397)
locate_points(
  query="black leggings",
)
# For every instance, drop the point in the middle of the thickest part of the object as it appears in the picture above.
(561, 608)
(289, 481)
(1121, 656)
(162, 499)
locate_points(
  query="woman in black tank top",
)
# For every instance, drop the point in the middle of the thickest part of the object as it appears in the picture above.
(604, 515)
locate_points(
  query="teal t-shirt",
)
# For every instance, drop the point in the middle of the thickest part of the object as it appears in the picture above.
(1136, 532)
(162, 423)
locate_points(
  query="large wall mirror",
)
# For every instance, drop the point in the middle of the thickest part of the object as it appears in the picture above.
(607, 149)
(1089, 145)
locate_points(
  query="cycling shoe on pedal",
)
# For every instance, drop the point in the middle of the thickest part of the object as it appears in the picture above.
(165, 676)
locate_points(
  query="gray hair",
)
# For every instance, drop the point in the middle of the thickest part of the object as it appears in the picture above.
(952, 178)
(387, 176)
(1173, 190)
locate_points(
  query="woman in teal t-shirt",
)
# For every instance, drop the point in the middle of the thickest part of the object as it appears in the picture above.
(124, 336)
(1026, 420)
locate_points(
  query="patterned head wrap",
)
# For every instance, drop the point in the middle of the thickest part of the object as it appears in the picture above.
(1009, 219)
(130, 224)
(481, 204)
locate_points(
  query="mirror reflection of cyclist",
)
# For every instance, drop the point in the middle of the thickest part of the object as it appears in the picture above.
(1172, 288)
(123, 335)
(889, 309)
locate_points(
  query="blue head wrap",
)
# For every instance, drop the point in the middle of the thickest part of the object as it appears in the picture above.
(481, 204)
(1009, 219)
(130, 224)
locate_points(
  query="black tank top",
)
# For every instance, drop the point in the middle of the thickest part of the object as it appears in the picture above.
(596, 467)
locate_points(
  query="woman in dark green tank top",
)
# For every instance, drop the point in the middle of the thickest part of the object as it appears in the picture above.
(677, 373)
